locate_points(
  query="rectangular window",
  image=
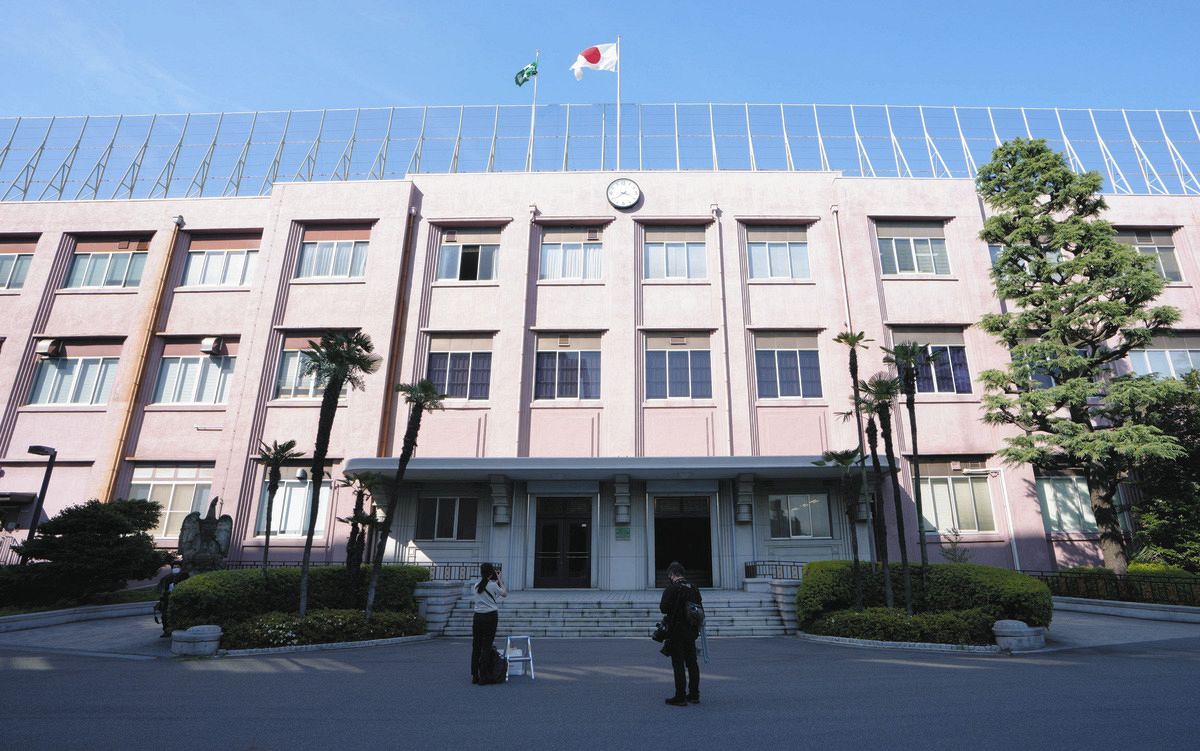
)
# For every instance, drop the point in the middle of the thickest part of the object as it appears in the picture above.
(778, 252)
(219, 268)
(102, 270)
(177, 489)
(674, 253)
(446, 518)
(958, 502)
(567, 254)
(290, 510)
(804, 515)
(1167, 358)
(943, 368)
(16, 255)
(787, 365)
(1066, 504)
(460, 366)
(73, 380)
(912, 248)
(344, 259)
(194, 379)
(468, 255)
(678, 366)
(1159, 244)
(567, 366)
(292, 382)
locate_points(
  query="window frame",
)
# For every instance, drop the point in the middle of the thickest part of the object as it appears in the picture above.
(308, 257)
(930, 506)
(1168, 356)
(224, 366)
(791, 518)
(881, 237)
(562, 355)
(1081, 495)
(457, 521)
(492, 248)
(588, 249)
(473, 356)
(802, 246)
(778, 390)
(106, 367)
(205, 257)
(315, 392)
(21, 262)
(927, 362)
(691, 371)
(285, 501)
(199, 502)
(692, 250)
(130, 257)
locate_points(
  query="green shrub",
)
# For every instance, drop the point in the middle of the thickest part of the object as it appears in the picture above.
(1151, 569)
(973, 626)
(227, 597)
(319, 627)
(828, 586)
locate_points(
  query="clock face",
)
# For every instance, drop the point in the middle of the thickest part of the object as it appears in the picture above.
(623, 193)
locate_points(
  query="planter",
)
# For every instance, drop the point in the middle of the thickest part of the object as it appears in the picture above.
(1016, 636)
(784, 593)
(435, 602)
(197, 641)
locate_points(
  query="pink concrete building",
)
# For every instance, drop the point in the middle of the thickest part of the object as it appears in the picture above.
(636, 371)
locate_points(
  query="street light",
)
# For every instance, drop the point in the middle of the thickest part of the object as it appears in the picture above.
(51, 452)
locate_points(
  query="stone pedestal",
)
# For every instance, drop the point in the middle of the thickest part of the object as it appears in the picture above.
(784, 593)
(197, 641)
(760, 585)
(435, 602)
(1015, 636)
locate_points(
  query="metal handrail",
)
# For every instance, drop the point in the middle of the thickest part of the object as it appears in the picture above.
(1163, 589)
(774, 570)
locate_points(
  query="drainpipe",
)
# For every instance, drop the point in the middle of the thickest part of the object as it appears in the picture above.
(1012, 536)
(150, 323)
(395, 350)
(716, 215)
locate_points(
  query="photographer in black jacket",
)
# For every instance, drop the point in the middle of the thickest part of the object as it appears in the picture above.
(681, 640)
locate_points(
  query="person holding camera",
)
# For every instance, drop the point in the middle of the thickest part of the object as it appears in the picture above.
(489, 592)
(681, 635)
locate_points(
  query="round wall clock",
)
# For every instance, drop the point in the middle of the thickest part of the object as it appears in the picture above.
(623, 193)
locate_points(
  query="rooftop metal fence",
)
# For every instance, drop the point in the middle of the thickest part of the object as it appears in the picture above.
(245, 153)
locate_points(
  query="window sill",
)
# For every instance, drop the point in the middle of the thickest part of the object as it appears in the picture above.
(10, 292)
(286, 541)
(918, 278)
(427, 543)
(208, 289)
(1073, 536)
(1177, 285)
(310, 281)
(64, 408)
(677, 402)
(96, 291)
(792, 401)
(676, 283)
(947, 399)
(465, 404)
(800, 539)
(944, 539)
(465, 283)
(784, 282)
(300, 403)
(565, 404)
(570, 283)
(166, 407)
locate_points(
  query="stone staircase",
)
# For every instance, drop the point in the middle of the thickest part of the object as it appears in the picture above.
(594, 613)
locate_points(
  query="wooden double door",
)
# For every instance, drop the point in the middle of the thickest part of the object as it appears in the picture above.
(563, 549)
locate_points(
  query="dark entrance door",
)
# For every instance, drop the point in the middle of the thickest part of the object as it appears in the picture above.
(562, 556)
(683, 532)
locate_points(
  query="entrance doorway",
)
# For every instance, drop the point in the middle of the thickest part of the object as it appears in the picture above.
(563, 550)
(683, 532)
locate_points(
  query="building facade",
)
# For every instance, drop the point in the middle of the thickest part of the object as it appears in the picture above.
(625, 386)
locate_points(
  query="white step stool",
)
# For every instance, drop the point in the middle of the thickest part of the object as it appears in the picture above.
(518, 656)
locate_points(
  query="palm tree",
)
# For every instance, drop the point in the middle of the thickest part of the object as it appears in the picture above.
(848, 479)
(854, 341)
(906, 356)
(273, 457)
(867, 407)
(340, 358)
(363, 485)
(424, 397)
(883, 391)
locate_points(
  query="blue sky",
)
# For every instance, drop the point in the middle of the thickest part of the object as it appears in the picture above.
(166, 56)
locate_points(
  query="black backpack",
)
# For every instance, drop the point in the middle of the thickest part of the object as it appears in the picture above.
(694, 610)
(493, 667)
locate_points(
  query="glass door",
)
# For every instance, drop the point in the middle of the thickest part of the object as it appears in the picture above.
(562, 554)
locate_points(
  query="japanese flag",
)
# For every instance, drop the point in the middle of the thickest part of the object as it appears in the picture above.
(599, 57)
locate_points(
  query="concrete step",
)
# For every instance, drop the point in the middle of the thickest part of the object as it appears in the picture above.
(638, 633)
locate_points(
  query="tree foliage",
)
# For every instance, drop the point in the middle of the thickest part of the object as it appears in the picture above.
(1078, 302)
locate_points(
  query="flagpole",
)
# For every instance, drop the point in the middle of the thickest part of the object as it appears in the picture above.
(532, 115)
(618, 101)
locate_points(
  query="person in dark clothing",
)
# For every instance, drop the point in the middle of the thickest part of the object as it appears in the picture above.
(166, 585)
(681, 639)
(489, 593)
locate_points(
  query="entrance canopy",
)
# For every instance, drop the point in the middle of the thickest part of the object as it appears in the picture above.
(433, 469)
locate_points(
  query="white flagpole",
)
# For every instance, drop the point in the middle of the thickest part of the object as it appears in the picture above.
(618, 101)
(532, 116)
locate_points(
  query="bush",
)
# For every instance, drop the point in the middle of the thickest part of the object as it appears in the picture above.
(86, 550)
(319, 627)
(828, 586)
(973, 626)
(228, 597)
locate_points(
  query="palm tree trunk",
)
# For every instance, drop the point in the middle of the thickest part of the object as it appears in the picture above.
(856, 571)
(272, 489)
(880, 529)
(885, 424)
(911, 406)
(410, 445)
(354, 547)
(329, 400)
(862, 456)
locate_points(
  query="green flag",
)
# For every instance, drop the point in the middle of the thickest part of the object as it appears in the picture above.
(526, 73)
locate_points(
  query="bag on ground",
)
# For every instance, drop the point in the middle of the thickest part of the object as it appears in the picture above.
(493, 667)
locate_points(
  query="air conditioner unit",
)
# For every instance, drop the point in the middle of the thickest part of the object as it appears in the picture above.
(593, 234)
(212, 345)
(47, 348)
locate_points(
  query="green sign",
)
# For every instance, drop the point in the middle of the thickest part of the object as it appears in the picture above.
(623, 534)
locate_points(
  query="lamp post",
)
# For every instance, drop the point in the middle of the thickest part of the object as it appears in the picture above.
(51, 452)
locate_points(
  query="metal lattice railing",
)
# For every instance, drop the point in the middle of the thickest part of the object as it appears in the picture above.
(1104, 585)
(246, 153)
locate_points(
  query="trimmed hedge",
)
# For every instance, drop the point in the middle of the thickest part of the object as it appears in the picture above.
(972, 626)
(228, 597)
(319, 627)
(828, 586)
